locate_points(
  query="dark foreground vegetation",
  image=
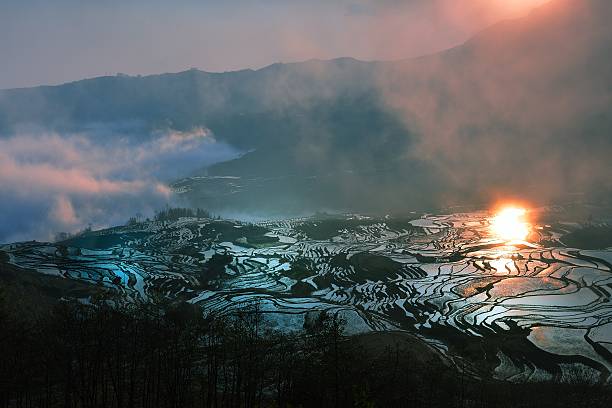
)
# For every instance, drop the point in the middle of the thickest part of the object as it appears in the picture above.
(111, 354)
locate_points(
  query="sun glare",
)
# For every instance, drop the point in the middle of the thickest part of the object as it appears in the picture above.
(518, 6)
(509, 224)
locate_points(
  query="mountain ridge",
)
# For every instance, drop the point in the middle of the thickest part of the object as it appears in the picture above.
(388, 134)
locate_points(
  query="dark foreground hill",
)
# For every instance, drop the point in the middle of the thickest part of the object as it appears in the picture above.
(111, 354)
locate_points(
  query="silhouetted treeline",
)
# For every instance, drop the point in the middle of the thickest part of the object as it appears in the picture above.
(113, 354)
(173, 214)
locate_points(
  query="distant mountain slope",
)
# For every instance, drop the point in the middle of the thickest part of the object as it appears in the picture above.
(528, 99)
(191, 98)
(524, 106)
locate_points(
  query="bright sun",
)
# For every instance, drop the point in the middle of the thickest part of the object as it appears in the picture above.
(509, 224)
(518, 6)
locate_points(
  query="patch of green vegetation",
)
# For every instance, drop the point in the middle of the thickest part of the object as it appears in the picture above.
(324, 281)
(191, 251)
(301, 268)
(401, 224)
(262, 240)
(373, 267)
(339, 261)
(215, 267)
(302, 289)
(256, 241)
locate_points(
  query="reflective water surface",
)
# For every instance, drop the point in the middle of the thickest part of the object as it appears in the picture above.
(473, 285)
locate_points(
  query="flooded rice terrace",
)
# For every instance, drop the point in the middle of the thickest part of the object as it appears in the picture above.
(527, 307)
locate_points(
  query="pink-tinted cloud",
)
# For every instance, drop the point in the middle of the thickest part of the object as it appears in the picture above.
(63, 211)
(51, 182)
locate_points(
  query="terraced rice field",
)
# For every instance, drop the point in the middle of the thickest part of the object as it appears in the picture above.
(533, 309)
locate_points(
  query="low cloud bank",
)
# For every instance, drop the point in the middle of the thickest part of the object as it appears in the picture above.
(51, 182)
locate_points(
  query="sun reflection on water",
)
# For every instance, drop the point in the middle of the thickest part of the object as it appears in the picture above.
(499, 264)
(509, 224)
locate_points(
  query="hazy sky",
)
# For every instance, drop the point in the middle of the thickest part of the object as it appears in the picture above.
(49, 42)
